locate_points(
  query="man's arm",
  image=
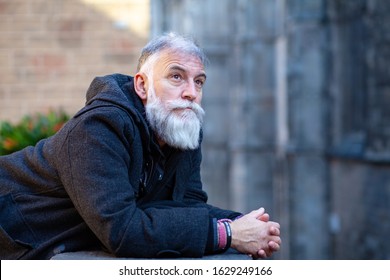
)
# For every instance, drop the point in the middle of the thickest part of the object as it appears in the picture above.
(196, 196)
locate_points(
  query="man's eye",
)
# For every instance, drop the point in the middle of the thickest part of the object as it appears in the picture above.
(176, 77)
(200, 83)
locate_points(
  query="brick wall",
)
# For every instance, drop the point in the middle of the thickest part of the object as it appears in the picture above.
(50, 50)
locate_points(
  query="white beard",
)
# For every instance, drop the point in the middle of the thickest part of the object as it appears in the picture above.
(173, 123)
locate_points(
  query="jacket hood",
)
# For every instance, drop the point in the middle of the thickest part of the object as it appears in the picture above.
(118, 90)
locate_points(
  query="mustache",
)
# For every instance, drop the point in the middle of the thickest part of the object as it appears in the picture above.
(185, 104)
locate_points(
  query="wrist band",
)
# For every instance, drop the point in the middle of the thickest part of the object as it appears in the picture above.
(224, 234)
(228, 234)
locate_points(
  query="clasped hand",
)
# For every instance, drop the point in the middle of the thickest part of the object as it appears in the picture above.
(254, 234)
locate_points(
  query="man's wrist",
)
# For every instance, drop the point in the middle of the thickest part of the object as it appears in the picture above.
(234, 244)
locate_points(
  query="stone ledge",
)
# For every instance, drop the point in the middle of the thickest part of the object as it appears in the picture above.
(100, 255)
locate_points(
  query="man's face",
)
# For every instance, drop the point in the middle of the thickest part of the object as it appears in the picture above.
(174, 96)
(178, 76)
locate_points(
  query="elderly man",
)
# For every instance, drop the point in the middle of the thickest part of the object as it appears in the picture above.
(123, 175)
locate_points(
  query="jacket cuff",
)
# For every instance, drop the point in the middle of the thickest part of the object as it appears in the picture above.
(219, 236)
(212, 238)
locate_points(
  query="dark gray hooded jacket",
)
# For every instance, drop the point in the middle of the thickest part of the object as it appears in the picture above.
(102, 182)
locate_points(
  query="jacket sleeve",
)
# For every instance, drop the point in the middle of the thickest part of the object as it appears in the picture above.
(196, 196)
(94, 164)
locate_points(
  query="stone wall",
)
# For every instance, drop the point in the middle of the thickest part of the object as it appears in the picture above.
(297, 116)
(359, 98)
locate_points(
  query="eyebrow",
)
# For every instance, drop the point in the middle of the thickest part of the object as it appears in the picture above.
(181, 69)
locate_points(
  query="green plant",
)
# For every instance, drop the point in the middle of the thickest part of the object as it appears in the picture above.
(30, 130)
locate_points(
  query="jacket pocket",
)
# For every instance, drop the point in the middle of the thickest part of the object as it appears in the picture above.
(16, 238)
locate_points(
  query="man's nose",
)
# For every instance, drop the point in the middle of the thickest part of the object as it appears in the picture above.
(190, 92)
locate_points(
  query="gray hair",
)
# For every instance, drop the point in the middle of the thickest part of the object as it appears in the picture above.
(173, 42)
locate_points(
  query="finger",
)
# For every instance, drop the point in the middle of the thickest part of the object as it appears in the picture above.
(262, 254)
(273, 246)
(264, 217)
(274, 231)
(257, 213)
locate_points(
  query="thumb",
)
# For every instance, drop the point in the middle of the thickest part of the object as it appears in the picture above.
(264, 217)
(257, 213)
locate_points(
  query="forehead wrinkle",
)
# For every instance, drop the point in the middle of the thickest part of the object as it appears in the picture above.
(174, 66)
(171, 60)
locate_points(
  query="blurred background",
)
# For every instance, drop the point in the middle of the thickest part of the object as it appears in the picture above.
(297, 100)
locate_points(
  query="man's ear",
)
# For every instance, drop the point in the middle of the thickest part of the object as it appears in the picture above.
(140, 85)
